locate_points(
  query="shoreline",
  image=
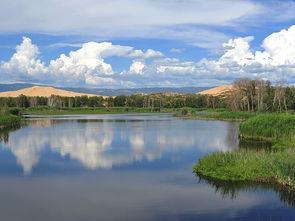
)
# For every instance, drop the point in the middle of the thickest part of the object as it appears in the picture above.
(7, 121)
(275, 165)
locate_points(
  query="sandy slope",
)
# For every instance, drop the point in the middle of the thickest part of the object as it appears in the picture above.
(43, 92)
(217, 90)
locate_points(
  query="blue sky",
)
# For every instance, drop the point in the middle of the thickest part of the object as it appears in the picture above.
(146, 43)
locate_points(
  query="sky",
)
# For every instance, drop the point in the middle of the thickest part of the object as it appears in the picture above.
(146, 43)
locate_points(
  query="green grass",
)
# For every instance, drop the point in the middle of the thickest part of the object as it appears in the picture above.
(44, 110)
(9, 120)
(223, 115)
(276, 128)
(254, 164)
(260, 166)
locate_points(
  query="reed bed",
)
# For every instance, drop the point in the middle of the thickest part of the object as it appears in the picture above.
(277, 128)
(275, 165)
(260, 166)
(9, 120)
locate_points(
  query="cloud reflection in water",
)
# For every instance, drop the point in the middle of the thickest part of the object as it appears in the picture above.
(104, 143)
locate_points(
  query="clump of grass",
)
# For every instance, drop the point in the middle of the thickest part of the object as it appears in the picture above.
(276, 128)
(9, 120)
(6, 119)
(260, 166)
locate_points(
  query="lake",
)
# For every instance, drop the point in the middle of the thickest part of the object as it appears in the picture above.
(125, 167)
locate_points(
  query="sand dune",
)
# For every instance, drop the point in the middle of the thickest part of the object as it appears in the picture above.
(43, 92)
(217, 90)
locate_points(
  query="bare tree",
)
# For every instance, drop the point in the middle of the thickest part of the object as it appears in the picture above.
(279, 100)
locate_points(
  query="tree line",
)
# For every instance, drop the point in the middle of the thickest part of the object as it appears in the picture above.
(137, 100)
(246, 95)
(260, 96)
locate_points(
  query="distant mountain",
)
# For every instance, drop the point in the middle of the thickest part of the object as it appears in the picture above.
(130, 91)
(112, 92)
(42, 91)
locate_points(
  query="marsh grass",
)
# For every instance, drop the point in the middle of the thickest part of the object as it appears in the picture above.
(248, 165)
(268, 165)
(276, 128)
(45, 110)
(223, 115)
(9, 120)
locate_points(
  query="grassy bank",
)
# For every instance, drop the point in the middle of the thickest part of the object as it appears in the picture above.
(270, 166)
(9, 120)
(276, 128)
(262, 166)
(45, 110)
(217, 114)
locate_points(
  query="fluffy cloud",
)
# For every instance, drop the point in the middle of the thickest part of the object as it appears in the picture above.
(139, 54)
(276, 62)
(280, 47)
(88, 66)
(24, 62)
(137, 67)
(85, 66)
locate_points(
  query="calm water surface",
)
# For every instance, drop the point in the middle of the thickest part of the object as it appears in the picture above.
(125, 167)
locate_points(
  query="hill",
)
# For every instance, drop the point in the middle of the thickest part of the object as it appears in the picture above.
(217, 90)
(130, 91)
(111, 92)
(43, 92)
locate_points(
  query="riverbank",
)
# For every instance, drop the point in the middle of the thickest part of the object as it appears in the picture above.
(258, 166)
(276, 128)
(45, 110)
(217, 114)
(276, 165)
(99, 110)
(8, 120)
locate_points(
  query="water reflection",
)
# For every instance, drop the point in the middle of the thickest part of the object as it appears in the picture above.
(152, 157)
(114, 141)
(4, 132)
(228, 189)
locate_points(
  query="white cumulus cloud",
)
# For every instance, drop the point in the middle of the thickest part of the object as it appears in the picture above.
(150, 68)
(25, 61)
(137, 67)
(85, 66)
(275, 62)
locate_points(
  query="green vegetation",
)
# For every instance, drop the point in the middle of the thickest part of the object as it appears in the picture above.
(7, 119)
(260, 166)
(276, 128)
(45, 110)
(214, 114)
(224, 115)
(133, 101)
